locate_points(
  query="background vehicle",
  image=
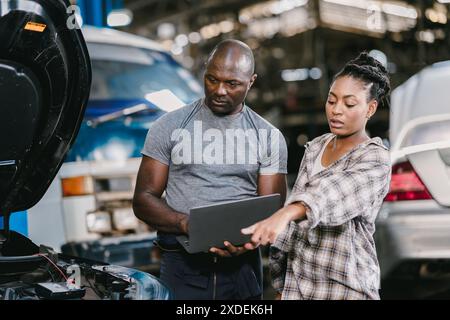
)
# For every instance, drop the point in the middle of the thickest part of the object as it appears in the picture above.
(89, 202)
(413, 232)
(45, 77)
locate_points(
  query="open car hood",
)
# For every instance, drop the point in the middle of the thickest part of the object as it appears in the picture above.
(45, 78)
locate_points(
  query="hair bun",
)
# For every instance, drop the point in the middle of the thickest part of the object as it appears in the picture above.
(365, 59)
(369, 70)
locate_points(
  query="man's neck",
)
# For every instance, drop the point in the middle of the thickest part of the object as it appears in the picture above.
(238, 109)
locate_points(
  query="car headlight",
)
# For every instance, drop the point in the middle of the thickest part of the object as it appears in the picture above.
(124, 219)
(99, 222)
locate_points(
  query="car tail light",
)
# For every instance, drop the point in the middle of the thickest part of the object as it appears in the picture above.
(406, 184)
(77, 186)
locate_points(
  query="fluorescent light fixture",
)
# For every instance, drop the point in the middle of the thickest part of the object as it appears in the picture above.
(181, 40)
(278, 7)
(120, 18)
(315, 73)
(176, 50)
(400, 10)
(166, 30)
(372, 16)
(425, 36)
(226, 26)
(436, 15)
(194, 37)
(301, 74)
(362, 4)
(212, 30)
(294, 74)
(268, 9)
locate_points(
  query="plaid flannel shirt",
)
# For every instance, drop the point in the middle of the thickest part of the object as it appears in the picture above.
(331, 254)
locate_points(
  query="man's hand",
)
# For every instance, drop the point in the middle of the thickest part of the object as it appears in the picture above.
(231, 250)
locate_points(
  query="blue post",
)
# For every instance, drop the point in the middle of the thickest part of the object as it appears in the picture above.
(109, 6)
(17, 222)
(92, 12)
(95, 12)
(82, 5)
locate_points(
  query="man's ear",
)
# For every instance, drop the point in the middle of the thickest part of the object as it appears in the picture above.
(252, 80)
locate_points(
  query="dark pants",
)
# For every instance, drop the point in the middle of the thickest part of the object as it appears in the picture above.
(208, 277)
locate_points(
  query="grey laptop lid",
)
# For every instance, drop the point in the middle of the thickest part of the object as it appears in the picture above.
(210, 226)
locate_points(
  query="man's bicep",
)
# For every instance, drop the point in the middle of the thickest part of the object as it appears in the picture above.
(273, 183)
(152, 176)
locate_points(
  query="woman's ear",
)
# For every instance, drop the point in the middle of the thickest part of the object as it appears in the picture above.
(373, 105)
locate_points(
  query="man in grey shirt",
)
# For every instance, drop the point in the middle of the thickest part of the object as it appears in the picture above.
(213, 150)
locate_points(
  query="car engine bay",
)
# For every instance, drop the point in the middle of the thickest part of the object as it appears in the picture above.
(31, 272)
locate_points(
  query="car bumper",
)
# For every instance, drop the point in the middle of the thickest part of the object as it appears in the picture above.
(416, 234)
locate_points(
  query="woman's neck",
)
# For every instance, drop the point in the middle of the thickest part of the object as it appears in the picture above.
(348, 142)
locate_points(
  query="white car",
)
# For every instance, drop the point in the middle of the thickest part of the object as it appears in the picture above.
(413, 228)
(134, 81)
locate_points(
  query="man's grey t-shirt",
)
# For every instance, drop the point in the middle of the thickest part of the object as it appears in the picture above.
(214, 158)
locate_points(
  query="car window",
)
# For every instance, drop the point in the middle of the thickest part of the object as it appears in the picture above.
(132, 73)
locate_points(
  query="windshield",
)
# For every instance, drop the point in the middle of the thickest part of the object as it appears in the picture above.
(428, 133)
(123, 77)
(132, 73)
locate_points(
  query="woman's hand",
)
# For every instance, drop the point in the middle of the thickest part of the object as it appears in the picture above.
(266, 231)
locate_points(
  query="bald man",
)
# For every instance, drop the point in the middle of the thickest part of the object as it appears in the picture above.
(214, 150)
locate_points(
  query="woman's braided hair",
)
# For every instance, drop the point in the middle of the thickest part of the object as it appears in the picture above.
(369, 71)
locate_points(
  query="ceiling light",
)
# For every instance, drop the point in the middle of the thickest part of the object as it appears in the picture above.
(120, 18)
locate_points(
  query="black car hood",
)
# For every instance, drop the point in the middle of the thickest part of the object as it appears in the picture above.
(45, 78)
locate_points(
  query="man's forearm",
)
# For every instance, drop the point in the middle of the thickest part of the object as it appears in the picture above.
(157, 214)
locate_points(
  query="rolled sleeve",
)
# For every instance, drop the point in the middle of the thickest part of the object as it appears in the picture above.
(312, 217)
(334, 199)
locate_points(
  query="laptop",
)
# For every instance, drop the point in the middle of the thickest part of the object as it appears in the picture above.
(210, 226)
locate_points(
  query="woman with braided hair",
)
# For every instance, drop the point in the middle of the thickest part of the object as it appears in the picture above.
(322, 240)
